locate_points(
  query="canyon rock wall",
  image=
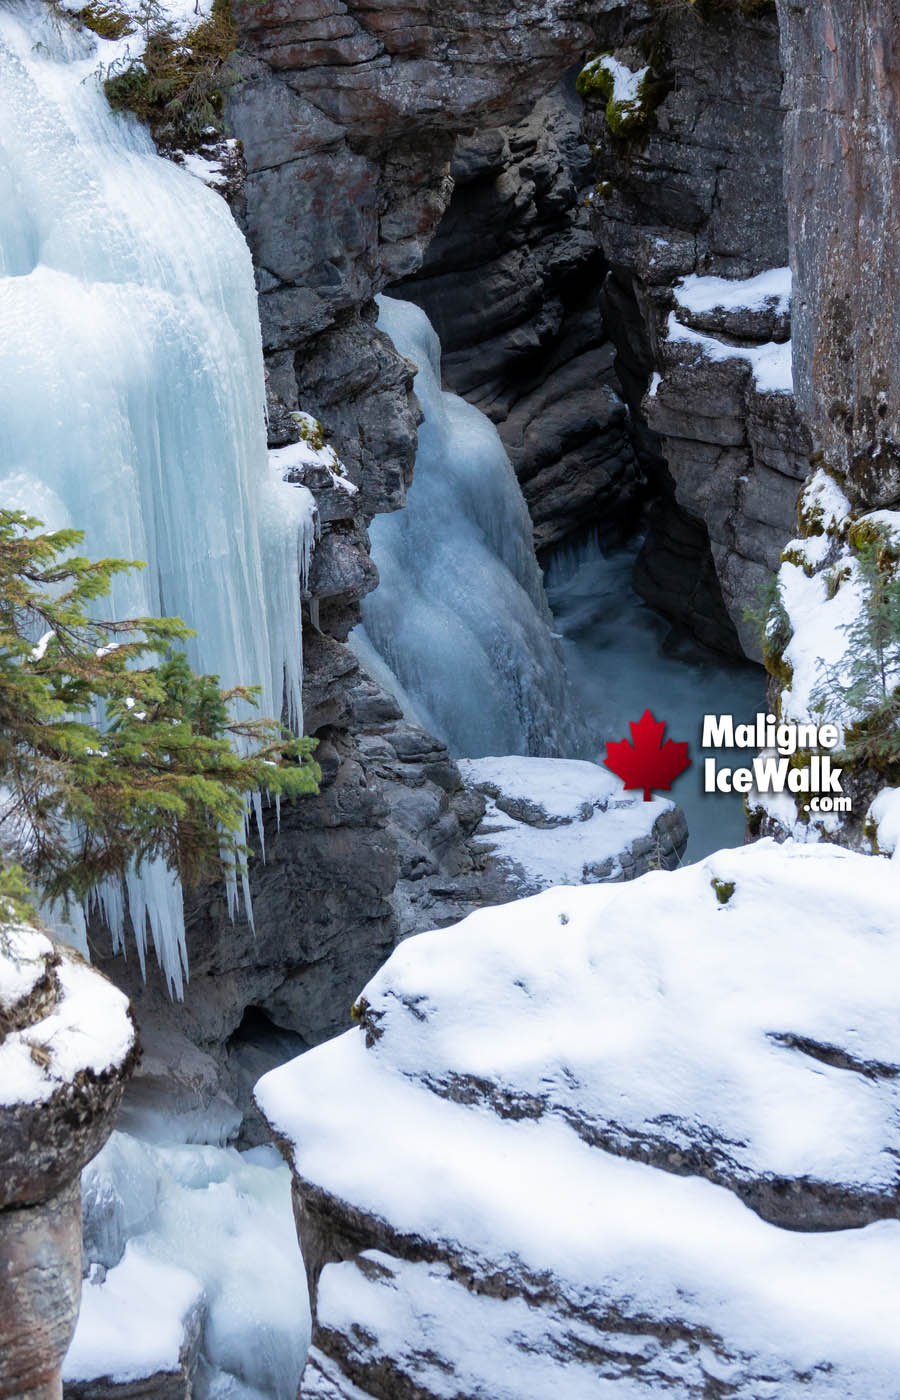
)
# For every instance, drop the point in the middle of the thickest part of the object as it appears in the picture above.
(512, 282)
(842, 147)
(842, 85)
(693, 186)
(348, 116)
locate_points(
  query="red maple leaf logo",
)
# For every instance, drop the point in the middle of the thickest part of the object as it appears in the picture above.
(649, 763)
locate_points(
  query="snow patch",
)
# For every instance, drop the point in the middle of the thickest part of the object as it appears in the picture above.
(819, 639)
(626, 82)
(89, 1029)
(702, 294)
(884, 815)
(107, 1342)
(574, 818)
(24, 951)
(770, 363)
(824, 501)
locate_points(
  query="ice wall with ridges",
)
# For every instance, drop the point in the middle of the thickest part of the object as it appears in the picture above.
(131, 379)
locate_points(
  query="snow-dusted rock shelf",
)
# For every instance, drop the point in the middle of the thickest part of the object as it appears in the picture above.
(613, 1136)
(722, 400)
(67, 1045)
(553, 821)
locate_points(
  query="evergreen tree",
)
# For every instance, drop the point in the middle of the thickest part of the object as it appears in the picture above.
(168, 770)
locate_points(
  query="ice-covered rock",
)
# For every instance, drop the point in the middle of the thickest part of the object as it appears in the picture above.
(642, 1136)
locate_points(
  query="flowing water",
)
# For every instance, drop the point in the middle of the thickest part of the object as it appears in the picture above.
(620, 664)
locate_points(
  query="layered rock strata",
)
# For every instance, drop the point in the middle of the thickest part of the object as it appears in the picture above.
(596, 1157)
(691, 184)
(67, 1045)
(512, 282)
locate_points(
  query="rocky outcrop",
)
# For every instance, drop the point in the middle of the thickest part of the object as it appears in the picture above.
(512, 283)
(735, 447)
(552, 821)
(692, 185)
(341, 873)
(67, 1045)
(400, 838)
(583, 1163)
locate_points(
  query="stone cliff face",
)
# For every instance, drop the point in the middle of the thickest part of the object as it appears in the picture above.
(693, 185)
(842, 145)
(512, 281)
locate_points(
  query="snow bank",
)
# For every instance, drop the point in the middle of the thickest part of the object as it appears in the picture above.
(541, 1092)
(818, 639)
(88, 1030)
(108, 1343)
(884, 816)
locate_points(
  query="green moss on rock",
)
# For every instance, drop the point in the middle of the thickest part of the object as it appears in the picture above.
(624, 116)
(724, 889)
(108, 21)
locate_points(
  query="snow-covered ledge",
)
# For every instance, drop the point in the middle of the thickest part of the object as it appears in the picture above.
(642, 1135)
(67, 1045)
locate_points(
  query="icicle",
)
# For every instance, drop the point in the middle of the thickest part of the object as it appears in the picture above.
(132, 393)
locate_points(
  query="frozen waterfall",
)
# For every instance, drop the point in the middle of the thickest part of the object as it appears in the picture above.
(131, 384)
(459, 626)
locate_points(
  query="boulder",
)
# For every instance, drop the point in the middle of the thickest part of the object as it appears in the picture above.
(605, 1145)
